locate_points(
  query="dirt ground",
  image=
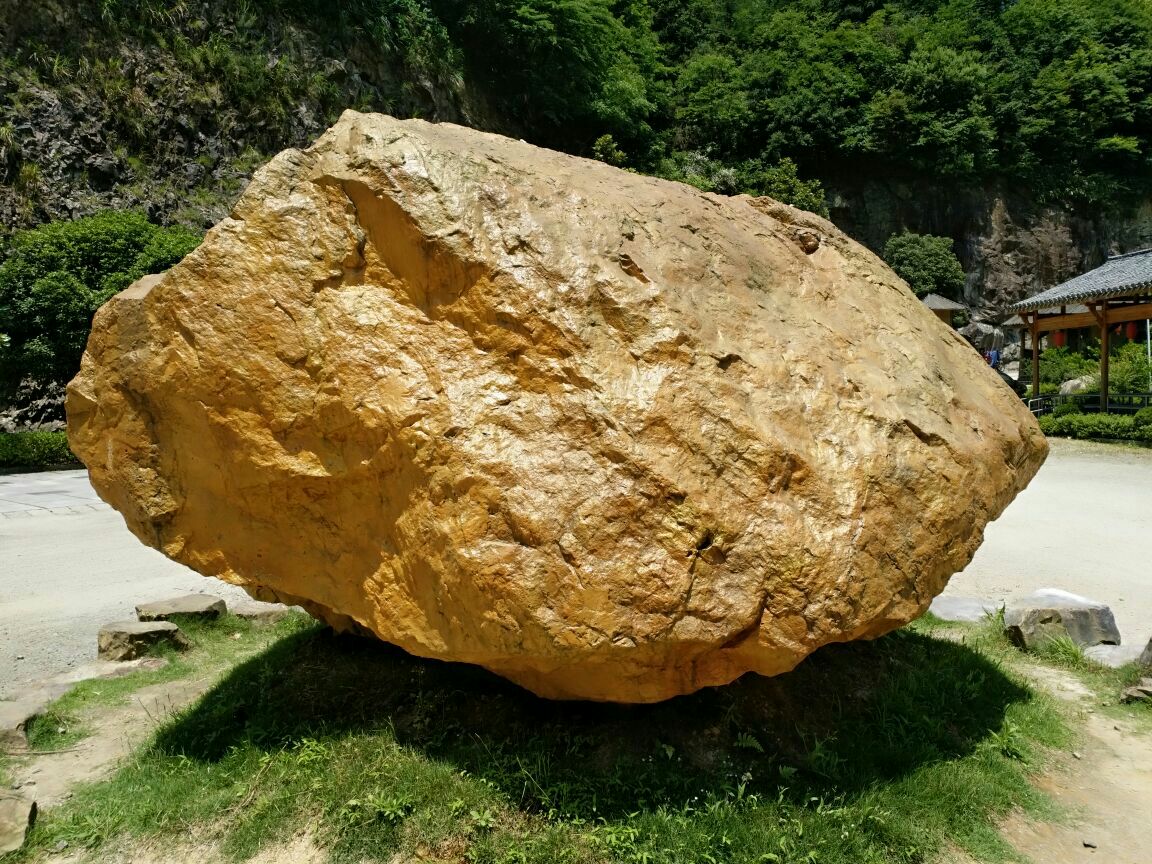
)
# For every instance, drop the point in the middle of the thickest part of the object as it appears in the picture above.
(1105, 787)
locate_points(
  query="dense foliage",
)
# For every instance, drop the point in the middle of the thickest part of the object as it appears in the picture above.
(1051, 92)
(926, 263)
(1119, 427)
(56, 276)
(1058, 365)
(34, 450)
(1054, 96)
(1128, 368)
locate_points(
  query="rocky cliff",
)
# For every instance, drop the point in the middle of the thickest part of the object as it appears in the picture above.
(1010, 246)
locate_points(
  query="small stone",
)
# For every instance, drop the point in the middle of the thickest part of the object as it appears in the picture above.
(60, 847)
(17, 815)
(1050, 613)
(948, 608)
(190, 605)
(1112, 656)
(1076, 755)
(15, 716)
(262, 614)
(127, 640)
(1140, 693)
(1088, 844)
(19, 656)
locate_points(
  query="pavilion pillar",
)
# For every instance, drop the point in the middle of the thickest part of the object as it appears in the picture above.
(1035, 354)
(1104, 351)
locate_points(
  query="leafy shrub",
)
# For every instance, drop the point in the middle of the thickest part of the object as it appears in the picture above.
(926, 262)
(1128, 370)
(1142, 418)
(56, 276)
(34, 449)
(1066, 408)
(782, 182)
(1115, 426)
(1058, 365)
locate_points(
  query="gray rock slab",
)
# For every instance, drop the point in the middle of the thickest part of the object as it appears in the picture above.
(101, 670)
(260, 613)
(1142, 692)
(963, 608)
(30, 702)
(1050, 612)
(1145, 658)
(15, 715)
(127, 640)
(17, 815)
(204, 606)
(1112, 656)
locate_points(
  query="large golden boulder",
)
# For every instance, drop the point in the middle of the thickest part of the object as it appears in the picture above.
(605, 435)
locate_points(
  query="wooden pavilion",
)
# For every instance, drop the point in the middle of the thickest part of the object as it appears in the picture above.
(1116, 292)
(942, 306)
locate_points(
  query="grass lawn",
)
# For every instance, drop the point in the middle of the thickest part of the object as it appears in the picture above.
(884, 751)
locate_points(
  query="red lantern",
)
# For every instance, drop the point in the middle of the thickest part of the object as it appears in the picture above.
(1131, 331)
(1058, 338)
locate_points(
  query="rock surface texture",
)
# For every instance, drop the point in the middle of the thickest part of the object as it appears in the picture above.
(603, 434)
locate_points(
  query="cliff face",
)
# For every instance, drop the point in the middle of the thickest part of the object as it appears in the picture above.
(170, 110)
(1010, 246)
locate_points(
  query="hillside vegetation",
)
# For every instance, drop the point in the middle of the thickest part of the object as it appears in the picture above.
(898, 117)
(102, 99)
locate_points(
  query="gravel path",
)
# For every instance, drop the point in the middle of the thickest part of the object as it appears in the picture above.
(68, 564)
(1084, 525)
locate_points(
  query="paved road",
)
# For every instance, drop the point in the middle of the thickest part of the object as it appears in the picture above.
(1084, 525)
(68, 565)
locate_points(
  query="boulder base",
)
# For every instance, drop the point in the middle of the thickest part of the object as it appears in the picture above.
(603, 434)
(1050, 612)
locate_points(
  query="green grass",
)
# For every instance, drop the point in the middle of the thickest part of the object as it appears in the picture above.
(215, 645)
(1104, 682)
(880, 751)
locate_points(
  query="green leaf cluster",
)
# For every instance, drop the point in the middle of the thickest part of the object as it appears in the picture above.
(927, 263)
(34, 450)
(1119, 427)
(1054, 93)
(1058, 365)
(55, 277)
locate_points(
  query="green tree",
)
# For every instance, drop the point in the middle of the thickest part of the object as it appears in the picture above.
(926, 262)
(561, 68)
(56, 276)
(782, 181)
